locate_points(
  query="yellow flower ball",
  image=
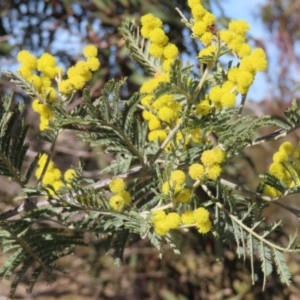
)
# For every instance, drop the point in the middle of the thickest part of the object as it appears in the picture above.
(239, 26)
(196, 171)
(173, 220)
(161, 227)
(93, 63)
(206, 38)
(188, 217)
(166, 114)
(280, 157)
(204, 227)
(184, 196)
(214, 171)
(170, 51)
(117, 185)
(203, 108)
(156, 50)
(244, 50)
(160, 135)
(154, 124)
(228, 100)
(192, 3)
(90, 51)
(27, 59)
(215, 94)
(198, 11)
(199, 28)
(66, 87)
(158, 36)
(158, 215)
(287, 147)
(148, 116)
(178, 176)
(209, 19)
(69, 174)
(117, 202)
(201, 215)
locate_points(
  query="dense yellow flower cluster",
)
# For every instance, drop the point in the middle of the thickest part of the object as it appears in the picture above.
(164, 222)
(175, 187)
(203, 22)
(211, 165)
(286, 172)
(239, 78)
(40, 72)
(159, 47)
(161, 113)
(121, 197)
(52, 175)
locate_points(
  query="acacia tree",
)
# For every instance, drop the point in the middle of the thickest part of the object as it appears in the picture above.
(177, 134)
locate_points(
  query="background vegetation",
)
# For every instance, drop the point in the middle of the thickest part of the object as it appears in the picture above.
(62, 28)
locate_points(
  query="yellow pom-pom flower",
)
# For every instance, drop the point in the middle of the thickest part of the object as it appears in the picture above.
(160, 135)
(154, 124)
(90, 51)
(27, 59)
(215, 94)
(199, 28)
(173, 220)
(178, 176)
(280, 157)
(198, 11)
(203, 108)
(206, 38)
(286, 147)
(158, 215)
(188, 217)
(93, 63)
(201, 215)
(161, 227)
(170, 51)
(204, 227)
(213, 156)
(184, 196)
(69, 174)
(117, 202)
(158, 36)
(239, 26)
(117, 185)
(214, 171)
(156, 50)
(196, 171)
(228, 100)
(166, 114)
(192, 3)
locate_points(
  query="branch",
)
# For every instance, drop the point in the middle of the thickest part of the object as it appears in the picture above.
(250, 231)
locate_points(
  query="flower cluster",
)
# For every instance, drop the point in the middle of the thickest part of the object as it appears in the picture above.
(159, 47)
(164, 222)
(81, 73)
(282, 169)
(239, 78)
(175, 187)
(121, 197)
(52, 176)
(161, 113)
(40, 72)
(211, 165)
(202, 25)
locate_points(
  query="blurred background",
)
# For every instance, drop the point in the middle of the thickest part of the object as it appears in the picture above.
(63, 28)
